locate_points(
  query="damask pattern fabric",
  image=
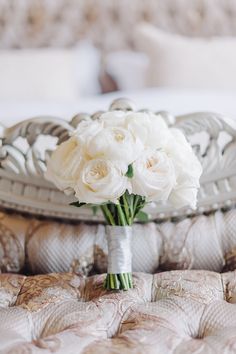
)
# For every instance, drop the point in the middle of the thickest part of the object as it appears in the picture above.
(40, 23)
(171, 312)
(44, 246)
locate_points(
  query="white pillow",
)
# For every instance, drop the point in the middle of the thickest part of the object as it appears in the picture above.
(49, 74)
(184, 62)
(88, 65)
(128, 68)
(37, 74)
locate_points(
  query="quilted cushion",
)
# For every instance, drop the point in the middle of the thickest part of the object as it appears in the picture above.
(45, 246)
(171, 312)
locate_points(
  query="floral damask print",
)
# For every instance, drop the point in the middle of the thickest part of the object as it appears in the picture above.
(41, 290)
(177, 311)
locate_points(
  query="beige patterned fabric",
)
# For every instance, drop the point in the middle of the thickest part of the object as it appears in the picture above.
(171, 312)
(44, 246)
(37, 23)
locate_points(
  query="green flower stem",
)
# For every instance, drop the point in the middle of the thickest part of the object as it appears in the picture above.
(112, 283)
(108, 215)
(136, 201)
(121, 215)
(122, 281)
(126, 209)
(131, 207)
(130, 280)
(116, 283)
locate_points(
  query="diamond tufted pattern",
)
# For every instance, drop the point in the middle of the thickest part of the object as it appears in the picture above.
(44, 246)
(171, 312)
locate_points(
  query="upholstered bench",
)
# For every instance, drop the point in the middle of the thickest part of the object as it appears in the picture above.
(172, 312)
(178, 311)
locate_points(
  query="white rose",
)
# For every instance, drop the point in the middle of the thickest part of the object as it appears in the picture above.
(184, 194)
(151, 129)
(87, 130)
(64, 165)
(188, 170)
(115, 143)
(154, 176)
(113, 118)
(100, 181)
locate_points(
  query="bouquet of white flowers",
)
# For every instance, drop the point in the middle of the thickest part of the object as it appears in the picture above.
(120, 162)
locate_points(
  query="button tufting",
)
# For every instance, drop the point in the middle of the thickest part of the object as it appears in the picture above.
(171, 312)
(82, 248)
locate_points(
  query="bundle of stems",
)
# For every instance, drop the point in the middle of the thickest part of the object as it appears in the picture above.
(123, 213)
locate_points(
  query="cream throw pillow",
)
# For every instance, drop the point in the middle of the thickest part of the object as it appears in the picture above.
(38, 74)
(184, 62)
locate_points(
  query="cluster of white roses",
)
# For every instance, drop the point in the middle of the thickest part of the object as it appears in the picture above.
(93, 163)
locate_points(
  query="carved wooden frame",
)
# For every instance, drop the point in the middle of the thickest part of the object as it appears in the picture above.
(22, 165)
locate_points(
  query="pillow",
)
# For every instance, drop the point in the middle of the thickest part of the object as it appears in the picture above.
(183, 62)
(37, 74)
(49, 74)
(128, 68)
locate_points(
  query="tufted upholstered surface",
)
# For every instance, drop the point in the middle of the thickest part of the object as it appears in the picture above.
(171, 312)
(44, 246)
(37, 23)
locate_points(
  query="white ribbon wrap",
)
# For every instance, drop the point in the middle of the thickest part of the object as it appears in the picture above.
(119, 249)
